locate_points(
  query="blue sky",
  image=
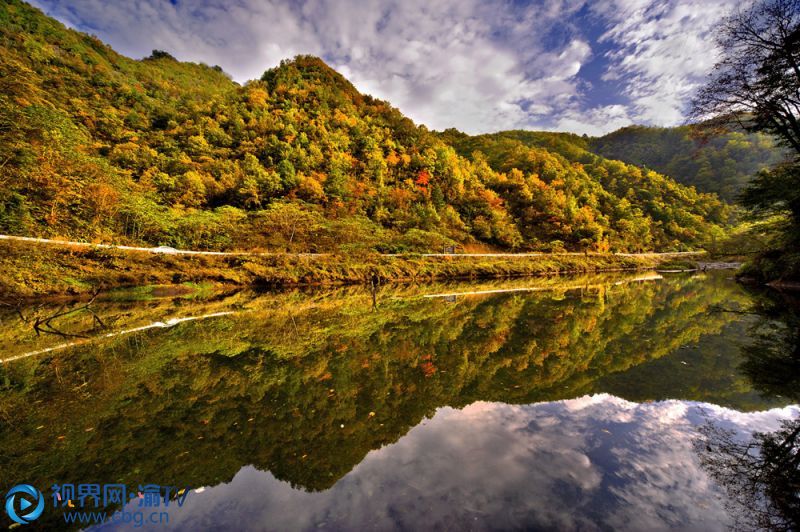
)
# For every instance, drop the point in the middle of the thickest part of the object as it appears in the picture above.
(569, 65)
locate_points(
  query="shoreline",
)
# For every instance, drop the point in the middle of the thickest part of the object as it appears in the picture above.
(31, 271)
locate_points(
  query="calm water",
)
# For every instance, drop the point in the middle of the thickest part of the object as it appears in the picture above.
(573, 403)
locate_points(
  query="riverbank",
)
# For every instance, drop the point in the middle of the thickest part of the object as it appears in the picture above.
(30, 270)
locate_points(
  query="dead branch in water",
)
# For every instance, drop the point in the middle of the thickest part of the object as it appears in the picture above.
(44, 325)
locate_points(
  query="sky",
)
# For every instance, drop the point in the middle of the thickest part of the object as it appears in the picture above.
(476, 65)
(594, 462)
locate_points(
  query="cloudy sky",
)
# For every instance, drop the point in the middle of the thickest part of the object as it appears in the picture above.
(581, 66)
(595, 462)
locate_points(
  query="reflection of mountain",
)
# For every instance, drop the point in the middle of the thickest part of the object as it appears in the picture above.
(591, 463)
(305, 385)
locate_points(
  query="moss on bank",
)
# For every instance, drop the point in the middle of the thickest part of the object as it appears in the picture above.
(30, 270)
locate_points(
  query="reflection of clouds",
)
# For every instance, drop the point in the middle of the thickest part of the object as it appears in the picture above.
(590, 463)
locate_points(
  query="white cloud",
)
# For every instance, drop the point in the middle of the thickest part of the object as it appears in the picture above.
(663, 51)
(594, 121)
(590, 463)
(468, 64)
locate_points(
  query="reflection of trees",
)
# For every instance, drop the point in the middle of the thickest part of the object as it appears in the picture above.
(773, 356)
(761, 474)
(304, 387)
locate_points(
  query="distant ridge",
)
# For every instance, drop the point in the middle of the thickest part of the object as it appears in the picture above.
(723, 164)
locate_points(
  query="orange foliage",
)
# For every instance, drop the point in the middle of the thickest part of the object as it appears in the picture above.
(257, 97)
(427, 366)
(422, 180)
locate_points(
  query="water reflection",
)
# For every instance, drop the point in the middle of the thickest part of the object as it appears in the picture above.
(773, 351)
(761, 471)
(314, 387)
(594, 463)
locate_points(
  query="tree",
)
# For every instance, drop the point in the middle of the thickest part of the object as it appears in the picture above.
(775, 191)
(160, 54)
(290, 220)
(287, 173)
(757, 85)
(757, 81)
(258, 184)
(760, 474)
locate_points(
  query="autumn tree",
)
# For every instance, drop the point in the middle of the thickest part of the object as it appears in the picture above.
(756, 85)
(290, 221)
(97, 145)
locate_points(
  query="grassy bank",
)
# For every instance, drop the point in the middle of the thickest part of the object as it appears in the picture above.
(30, 270)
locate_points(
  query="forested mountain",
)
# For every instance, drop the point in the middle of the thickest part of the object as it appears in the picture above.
(722, 164)
(94, 145)
(573, 187)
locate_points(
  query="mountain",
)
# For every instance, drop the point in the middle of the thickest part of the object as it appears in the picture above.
(722, 164)
(572, 187)
(94, 145)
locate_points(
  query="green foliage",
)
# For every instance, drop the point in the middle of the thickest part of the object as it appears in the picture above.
(773, 200)
(272, 383)
(723, 164)
(97, 146)
(557, 190)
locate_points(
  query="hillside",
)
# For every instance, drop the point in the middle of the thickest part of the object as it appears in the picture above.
(645, 209)
(722, 164)
(97, 146)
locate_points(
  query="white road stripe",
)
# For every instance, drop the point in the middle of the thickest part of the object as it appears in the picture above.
(171, 251)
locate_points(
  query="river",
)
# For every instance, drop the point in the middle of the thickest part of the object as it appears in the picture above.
(596, 402)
